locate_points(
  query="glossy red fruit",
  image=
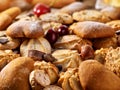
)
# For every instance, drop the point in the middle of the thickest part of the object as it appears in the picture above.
(51, 36)
(63, 30)
(40, 9)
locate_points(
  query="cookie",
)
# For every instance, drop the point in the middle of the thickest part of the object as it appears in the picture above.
(115, 24)
(105, 42)
(92, 29)
(67, 58)
(73, 7)
(7, 42)
(40, 44)
(112, 12)
(25, 28)
(90, 15)
(59, 17)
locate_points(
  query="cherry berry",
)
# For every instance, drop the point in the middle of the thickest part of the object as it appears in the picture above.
(63, 30)
(40, 9)
(51, 36)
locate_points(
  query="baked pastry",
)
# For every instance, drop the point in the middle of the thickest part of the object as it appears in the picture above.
(115, 24)
(90, 15)
(24, 28)
(94, 76)
(71, 42)
(67, 58)
(44, 74)
(100, 55)
(52, 3)
(7, 16)
(14, 75)
(40, 44)
(105, 42)
(38, 79)
(91, 29)
(112, 12)
(8, 43)
(69, 80)
(112, 60)
(52, 87)
(6, 56)
(59, 17)
(74, 7)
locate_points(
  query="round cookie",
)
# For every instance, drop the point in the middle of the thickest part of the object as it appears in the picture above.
(63, 18)
(73, 7)
(115, 24)
(7, 42)
(90, 15)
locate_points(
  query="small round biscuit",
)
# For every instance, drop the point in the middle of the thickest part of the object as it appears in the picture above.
(7, 42)
(73, 7)
(63, 18)
(90, 15)
(115, 24)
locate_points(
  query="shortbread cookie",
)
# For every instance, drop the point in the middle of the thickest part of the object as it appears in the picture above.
(112, 12)
(52, 87)
(25, 28)
(94, 76)
(113, 60)
(16, 74)
(67, 58)
(115, 24)
(73, 7)
(90, 15)
(40, 44)
(50, 69)
(7, 42)
(69, 80)
(91, 29)
(71, 42)
(7, 16)
(105, 42)
(63, 18)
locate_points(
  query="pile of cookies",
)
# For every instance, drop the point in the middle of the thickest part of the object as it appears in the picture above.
(76, 47)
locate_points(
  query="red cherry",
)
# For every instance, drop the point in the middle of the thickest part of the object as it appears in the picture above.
(40, 9)
(51, 36)
(63, 30)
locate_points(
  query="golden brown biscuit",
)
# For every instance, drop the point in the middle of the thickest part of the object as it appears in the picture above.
(7, 16)
(58, 17)
(91, 29)
(14, 75)
(69, 80)
(50, 69)
(71, 42)
(113, 60)
(105, 42)
(90, 15)
(7, 42)
(94, 76)
(40, 44)
(52, 3)
(112, 12)
(67, 58)
(73, 7)
(115, 24)
(24, 28)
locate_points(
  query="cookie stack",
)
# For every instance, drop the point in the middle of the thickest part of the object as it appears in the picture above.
(75, 47)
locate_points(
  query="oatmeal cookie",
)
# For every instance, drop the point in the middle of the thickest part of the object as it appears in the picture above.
(90, 15)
